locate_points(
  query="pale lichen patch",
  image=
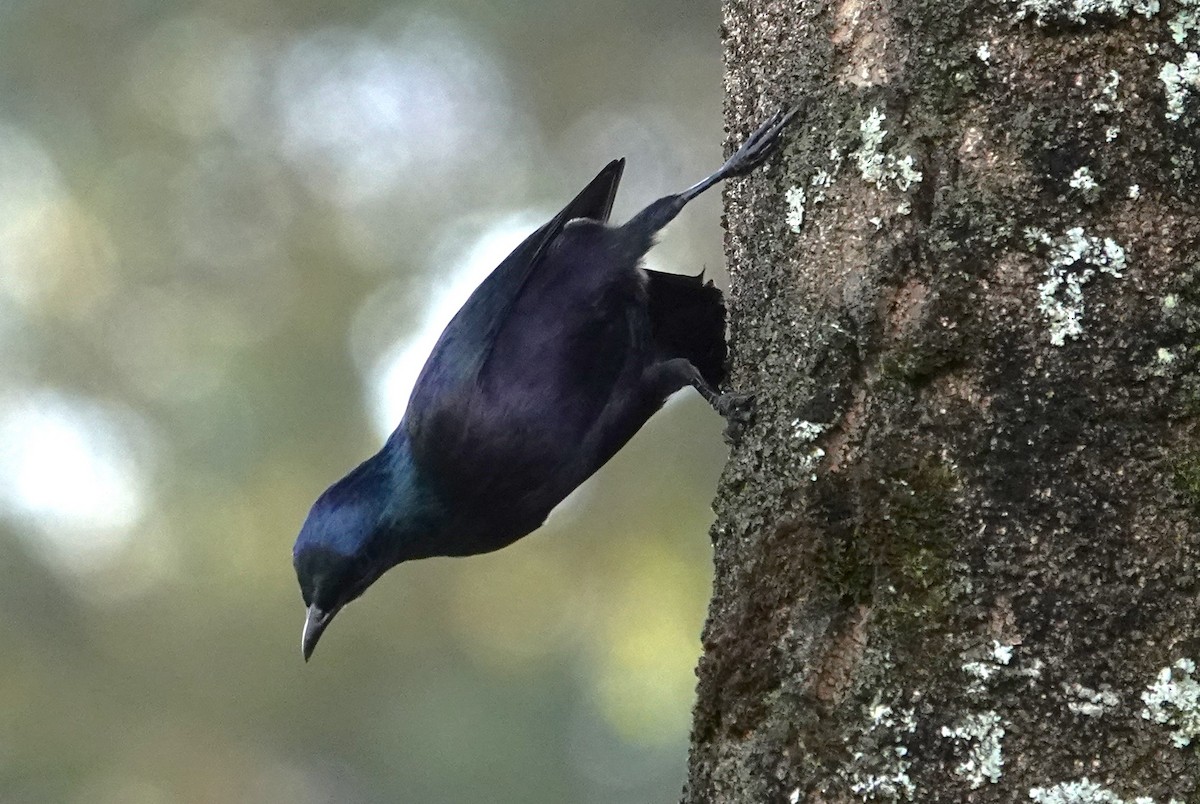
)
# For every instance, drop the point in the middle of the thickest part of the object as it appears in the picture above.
(1034, 670)
(1074, 260)
(1179, 80)
(1046, 12)
(1083, 791)
(982, 672)
(882, 771)
(1164, 361)
(822, 180)
(1186, 23)
(799, 200)
(1089, 702)
(807, 433)
(982, 734)
(1174, 700)
(796, 199)
(877, 166)
(1085, 184)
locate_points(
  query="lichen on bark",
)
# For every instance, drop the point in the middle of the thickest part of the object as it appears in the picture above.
(975, 433)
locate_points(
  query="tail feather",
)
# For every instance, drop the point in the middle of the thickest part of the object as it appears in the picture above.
(687, 319)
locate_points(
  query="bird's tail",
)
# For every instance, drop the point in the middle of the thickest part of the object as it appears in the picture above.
(687, 318)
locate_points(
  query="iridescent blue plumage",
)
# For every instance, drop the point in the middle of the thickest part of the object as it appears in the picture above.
(551, 366)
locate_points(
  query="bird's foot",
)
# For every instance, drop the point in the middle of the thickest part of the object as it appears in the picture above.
(760, 144)
(738, 412)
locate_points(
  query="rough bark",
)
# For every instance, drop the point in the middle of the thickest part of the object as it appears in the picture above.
(956, 552)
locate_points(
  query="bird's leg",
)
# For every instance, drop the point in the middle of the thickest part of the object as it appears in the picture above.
(671, 375)
(754, 151)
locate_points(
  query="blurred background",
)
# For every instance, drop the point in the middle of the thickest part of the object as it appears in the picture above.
(229, 234)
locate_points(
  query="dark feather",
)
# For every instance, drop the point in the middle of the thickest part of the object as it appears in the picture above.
(687, 317)
(469, 337)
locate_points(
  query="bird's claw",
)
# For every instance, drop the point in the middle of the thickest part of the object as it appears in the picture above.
(738, 412)
(760, 144)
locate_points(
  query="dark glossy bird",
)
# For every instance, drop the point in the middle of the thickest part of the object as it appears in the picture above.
(554, 362)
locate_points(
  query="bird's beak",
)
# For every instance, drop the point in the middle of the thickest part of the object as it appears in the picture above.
(314, 625)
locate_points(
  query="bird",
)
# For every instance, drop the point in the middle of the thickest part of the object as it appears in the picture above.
(552, 364)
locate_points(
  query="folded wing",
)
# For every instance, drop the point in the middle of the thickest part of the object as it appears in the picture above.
(446, 399)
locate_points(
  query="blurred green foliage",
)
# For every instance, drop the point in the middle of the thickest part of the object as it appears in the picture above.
(221, 225)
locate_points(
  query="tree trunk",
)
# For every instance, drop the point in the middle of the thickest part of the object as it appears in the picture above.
(955, 552)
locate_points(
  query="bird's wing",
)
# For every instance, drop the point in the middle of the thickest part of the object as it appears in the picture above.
(466, 343)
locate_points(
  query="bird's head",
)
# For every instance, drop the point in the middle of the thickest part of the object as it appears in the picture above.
(363, 525)
(334, 561)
